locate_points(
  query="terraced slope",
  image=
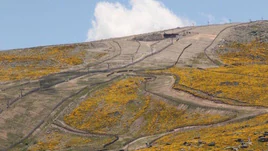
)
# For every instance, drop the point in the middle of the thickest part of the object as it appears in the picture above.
(205, 90)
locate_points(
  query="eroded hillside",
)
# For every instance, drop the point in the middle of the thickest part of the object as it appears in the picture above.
(205, 89)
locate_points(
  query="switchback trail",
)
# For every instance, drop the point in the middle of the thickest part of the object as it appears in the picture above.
(162, 86)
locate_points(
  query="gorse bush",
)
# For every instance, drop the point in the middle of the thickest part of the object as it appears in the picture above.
(33, 63)
(244, 81)
(61, 141)
(116, 108)
(224, 137)
(254, 52)
(251, 90)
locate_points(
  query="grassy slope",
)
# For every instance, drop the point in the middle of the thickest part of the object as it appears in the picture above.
(245, 79)
(36, 62)
(121, 106)
(224, 137)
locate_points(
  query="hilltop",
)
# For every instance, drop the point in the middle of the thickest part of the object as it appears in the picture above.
(191, 88)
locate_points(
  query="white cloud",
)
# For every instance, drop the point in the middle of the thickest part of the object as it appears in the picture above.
(116, 20)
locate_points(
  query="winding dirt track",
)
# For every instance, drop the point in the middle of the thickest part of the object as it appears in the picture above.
(162, 86)
(224, 29)
(66, 128)
(95, 71)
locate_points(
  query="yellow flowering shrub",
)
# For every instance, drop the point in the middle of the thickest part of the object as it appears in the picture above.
(251, 90)
(105, 107)
(162, 117)
(243, 82)
(33, 63)
(254, 52)
(19, 72)
(224, 137)
(61, 141)
(115, 108)
(51, 142)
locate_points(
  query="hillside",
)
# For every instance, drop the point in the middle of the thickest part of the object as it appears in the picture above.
(191, 88)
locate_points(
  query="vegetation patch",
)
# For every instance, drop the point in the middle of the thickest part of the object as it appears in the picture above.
(36, 62)
(245, 81)
(123, 107)
(62, 141)
(251, 90)
(33, 63)
(244, 135)
(254, 52)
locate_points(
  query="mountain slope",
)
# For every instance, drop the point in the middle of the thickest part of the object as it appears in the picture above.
(139, 91)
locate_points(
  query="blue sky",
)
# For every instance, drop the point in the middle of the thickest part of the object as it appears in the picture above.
(27, 23)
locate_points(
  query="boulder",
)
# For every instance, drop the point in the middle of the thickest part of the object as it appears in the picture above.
(239, 140)
(148, 145)
(212, 144)
(200, 142)
(186, 144)
(263, 139)
(244, 145)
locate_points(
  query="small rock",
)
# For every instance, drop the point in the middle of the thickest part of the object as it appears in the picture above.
(48, 131)
(239, 140)
(265, 134)
(168, 143)
(212, 144)
(235, 149)
(244, 145)
(148, 145)
(263, 139)
(201, 142)
(186, 144)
